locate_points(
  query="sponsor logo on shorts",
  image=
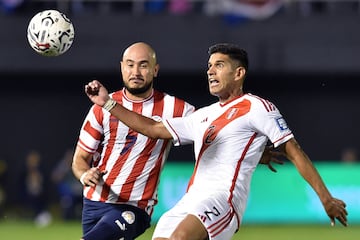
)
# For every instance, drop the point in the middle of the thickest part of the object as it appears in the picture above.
(122, 226)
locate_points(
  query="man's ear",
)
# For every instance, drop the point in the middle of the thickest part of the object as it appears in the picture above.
(156, 70)
(240, 73)
(121, 65)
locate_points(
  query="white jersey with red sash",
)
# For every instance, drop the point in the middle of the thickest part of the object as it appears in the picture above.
(229, 140)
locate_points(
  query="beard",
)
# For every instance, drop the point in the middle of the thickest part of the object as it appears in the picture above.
(140, 90)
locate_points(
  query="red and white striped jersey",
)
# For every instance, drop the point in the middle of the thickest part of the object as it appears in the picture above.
(229, 140)
(133, 161)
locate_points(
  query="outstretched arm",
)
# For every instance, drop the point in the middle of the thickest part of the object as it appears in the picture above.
(98, 94)
(334, 208)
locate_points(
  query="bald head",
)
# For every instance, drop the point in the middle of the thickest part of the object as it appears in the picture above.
(140, 50)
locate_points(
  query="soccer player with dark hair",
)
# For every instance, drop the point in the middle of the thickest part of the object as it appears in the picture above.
(229, 137)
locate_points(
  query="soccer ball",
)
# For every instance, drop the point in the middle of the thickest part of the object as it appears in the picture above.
(50, 33)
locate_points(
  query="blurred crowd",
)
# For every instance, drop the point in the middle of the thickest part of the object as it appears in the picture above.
(253, 9)
(43, 191)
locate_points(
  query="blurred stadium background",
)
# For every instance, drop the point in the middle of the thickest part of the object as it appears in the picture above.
(304, 56)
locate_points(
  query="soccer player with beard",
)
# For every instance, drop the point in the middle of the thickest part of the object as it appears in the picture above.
(119, 167)
(229, 137)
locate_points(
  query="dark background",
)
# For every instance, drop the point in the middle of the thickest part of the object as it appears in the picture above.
(307, 63)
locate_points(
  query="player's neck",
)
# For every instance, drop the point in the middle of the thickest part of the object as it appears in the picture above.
(140, 96)
(230, 96)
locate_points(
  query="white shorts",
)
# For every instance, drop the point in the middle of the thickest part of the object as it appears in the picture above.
(213, 211)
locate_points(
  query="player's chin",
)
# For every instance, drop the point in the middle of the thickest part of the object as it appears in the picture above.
(136, 86)
(137, 89)
(214, 92)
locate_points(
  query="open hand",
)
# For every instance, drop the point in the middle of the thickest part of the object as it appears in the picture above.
(335, 209)
(93, 176)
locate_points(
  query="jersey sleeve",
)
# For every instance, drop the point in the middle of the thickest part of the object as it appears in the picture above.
(91, 131)
(267, 119)
(188, 109)
(178, 122)
(181, 129)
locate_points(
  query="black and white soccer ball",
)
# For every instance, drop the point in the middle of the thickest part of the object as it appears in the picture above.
(50, 33)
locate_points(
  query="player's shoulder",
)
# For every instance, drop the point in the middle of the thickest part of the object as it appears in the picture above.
(260, 103)
(166, 95)
(117, 95)
(254, 97)
(208, 108)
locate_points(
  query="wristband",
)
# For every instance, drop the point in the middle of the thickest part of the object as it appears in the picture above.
(110, 104)
(82, 178)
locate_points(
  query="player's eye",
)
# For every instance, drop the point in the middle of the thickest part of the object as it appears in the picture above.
(219, 65)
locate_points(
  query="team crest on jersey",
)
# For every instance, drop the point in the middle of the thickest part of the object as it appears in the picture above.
(210, 136)
(281, 123)
(129, 217)
(231, 113)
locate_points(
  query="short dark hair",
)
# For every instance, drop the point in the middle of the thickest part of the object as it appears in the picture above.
(233, 51)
